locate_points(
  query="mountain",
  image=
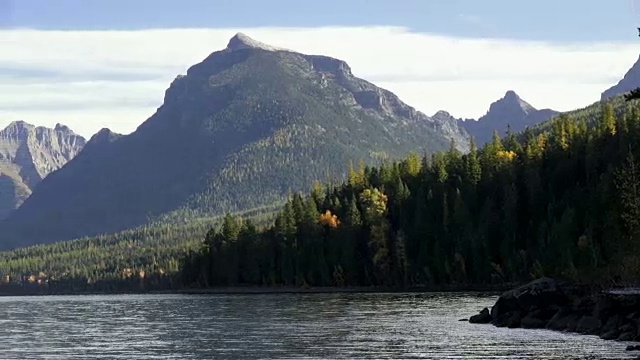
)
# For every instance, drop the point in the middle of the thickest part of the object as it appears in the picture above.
(27, 155)
(158, 249)
(510, 111)
(241, 129)
(630, 81)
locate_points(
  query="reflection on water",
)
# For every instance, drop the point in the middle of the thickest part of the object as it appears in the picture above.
(328, 326)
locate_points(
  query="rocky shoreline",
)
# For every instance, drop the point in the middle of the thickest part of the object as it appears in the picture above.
(549, 304)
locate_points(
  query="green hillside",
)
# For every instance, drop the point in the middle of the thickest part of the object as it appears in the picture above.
(241, 129)
(563, 203)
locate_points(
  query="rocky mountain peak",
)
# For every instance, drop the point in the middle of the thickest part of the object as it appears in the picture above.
(511, 95)
(511, 102)
(28, 154)
(15, 129)
(510, 111)
(19, 124)
(63, 128)
(242, 41)
(102, 138)
(102, 133)
(442, 113)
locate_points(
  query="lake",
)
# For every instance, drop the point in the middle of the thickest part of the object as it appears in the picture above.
(299, 326)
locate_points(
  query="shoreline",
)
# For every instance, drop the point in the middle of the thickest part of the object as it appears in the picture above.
(265, 290)
(336, 290)
(561, 306)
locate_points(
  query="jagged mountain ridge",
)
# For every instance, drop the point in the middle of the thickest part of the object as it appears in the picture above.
(241, 129)
(508, 112)
(27, 155)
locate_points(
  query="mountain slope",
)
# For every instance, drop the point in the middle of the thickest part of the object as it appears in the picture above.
(510, 111)
(630, 81)
(243, 128)
(27, 155)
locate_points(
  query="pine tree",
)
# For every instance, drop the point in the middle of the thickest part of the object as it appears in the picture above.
(473, 168)
(628, 186)
(608, 124)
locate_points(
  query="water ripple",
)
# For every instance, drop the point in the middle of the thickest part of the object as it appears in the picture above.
(311, 326)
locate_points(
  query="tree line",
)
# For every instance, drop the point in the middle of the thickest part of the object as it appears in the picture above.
(564, 202)
(558, 200)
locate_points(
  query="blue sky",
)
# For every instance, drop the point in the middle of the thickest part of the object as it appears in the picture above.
(556, 20)
(91, 64)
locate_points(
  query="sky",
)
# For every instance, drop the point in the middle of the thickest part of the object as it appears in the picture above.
(92, 64)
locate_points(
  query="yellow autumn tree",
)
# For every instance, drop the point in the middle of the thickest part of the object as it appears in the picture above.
(375, 202)
(507, 155)
(330, 220)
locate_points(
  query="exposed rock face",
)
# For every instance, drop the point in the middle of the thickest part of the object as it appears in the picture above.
(242, 41)
(27, 155)
(549, 304)
(242, 129)
(509, 112)
(630, 81)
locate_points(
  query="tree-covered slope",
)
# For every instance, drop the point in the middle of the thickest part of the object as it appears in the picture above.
(564, 202)
(148, 256)
(590, 115)
(242, 128)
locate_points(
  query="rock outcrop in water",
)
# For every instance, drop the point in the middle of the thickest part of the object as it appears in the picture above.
(550, 304)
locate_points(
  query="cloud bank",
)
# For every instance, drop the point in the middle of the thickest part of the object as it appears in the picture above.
(116, 79)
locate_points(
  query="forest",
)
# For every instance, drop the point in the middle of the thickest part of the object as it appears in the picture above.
(563, 202)
(145, 258)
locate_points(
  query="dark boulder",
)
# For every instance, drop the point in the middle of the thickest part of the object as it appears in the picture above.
(514, 321)
(529, 322)
(546, 303)
(612, 324)
(510, 320)
(633, 348)
(483, 318)
(538, 319)
(541, 293)
(610, 335)
(628, 328)
(628, 336)
(564, 320)
(589, 325)
(604, 307)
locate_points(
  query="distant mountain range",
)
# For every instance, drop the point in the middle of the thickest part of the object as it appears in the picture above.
(510, 112)
(27, 155)
(241, 129)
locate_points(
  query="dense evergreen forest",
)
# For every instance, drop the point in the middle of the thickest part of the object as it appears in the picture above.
(144, 258)
(563, 202)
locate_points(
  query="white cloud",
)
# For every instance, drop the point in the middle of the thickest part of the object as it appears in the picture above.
(94, 79)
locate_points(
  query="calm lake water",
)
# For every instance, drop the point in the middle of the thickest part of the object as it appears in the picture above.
(321, 326)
